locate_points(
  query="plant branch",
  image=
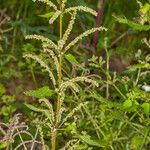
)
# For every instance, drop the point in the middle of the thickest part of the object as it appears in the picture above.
(98, 23)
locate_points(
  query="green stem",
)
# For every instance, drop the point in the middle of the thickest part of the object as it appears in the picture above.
(33, 76)
(58, 105)
(107, 73)
(138, 77)
(117, 89)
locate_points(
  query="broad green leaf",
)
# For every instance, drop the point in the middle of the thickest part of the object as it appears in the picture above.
(132, 24)
(47, 15)
(127, 104)
(71, 59)
(40, 93)
(146, 108)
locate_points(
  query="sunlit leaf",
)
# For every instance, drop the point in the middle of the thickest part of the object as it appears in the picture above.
(132, 24)
(40, 93)
(47, 15)
(71, 59)
(146, 108)
(139, 66)
(145, 8)
(127, 104)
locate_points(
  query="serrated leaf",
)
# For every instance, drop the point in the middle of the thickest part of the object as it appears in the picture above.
(132, 24)
(146, 108)
(71, 59)
(40, 93)
(47, 15)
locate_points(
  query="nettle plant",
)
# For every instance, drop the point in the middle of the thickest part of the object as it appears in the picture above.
(54, 117)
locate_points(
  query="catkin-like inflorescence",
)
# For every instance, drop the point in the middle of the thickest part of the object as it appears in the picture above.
(55, 16)
(69, 145)
(62, 42)
(67, 84)
(41, 137)
(146, 42)
(43, 39)
(85, 79)
(63, 3)
(81, 8)
(49, 106)
(62, 97)
(71, 83)
(73, 111)
(12, 126)
(54, 57)
(85, 34)
(44, 65)
(47, 2)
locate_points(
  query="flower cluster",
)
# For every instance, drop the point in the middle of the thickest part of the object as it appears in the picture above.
(43, 64)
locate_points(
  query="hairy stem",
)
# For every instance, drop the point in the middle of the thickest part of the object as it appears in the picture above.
(58, 105)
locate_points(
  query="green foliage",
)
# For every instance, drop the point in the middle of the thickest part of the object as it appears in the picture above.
(2, 89)
(127, 104)
(91, 142)
(4, 144)
(71, 59)
(132, 24)
(89, 99)
(47, 15)
(40, 93)
(146, 108)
